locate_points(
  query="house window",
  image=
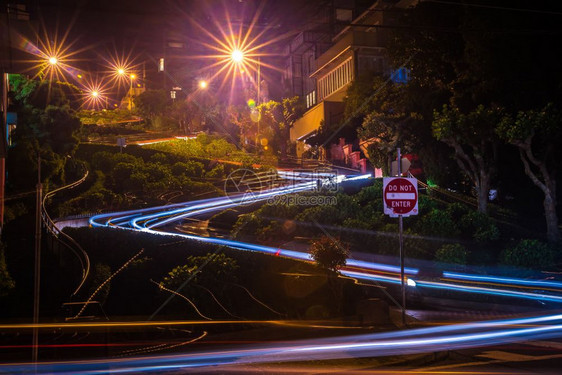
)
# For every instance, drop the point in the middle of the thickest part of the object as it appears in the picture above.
(344, 15)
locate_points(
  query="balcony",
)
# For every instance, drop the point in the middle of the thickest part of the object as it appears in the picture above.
(351, 41)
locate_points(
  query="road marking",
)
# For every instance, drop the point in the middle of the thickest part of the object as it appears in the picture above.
(546, 344)
(506, 356)
(498, 357)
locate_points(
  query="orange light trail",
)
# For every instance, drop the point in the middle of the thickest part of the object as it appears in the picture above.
(292, 323)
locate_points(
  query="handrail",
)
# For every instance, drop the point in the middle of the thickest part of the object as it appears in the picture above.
(57, 233)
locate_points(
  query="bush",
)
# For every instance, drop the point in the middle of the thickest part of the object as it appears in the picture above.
(529, 254)
(159, 158)
(211, 271)
(189, 168)
(437, 223)
(247, 224)
(457, 211)
(216, 172)
(452, 253)
(481, 226)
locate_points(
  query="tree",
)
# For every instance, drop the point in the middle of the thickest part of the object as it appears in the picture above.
(474, 140)
(240, 117)
(329, 253)
(213, 271)
(152, 103)
(538, 135)
(183, 115)
(276, 120)
(47, 127)
(6, 281)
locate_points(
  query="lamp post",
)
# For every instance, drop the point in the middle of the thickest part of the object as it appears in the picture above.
(258, 101)
(237, 57)
(132, 78)
(122, 72)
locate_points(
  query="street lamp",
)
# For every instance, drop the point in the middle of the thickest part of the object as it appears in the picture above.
(53, 60)
(132, 76)
(237, 56)
(203, 84)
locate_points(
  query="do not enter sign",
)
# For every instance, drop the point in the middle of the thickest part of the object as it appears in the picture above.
(400, 196)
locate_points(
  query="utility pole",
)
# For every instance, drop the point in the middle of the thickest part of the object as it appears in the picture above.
(258, 106)
(37, 271)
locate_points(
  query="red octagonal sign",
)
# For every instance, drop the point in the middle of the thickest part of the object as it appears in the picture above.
(400, 196)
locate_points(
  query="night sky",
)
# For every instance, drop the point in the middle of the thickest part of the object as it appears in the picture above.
(141, 25)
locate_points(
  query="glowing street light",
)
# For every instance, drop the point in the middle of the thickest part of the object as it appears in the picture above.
(53, 60)
(95, 94)
(203, 84)
(237, 56)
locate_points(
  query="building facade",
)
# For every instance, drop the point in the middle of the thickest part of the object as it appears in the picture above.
(357, 48)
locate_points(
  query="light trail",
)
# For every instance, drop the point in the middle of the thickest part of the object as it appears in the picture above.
(146, 220)
(432, 339)
(167, 323)
(367, 345)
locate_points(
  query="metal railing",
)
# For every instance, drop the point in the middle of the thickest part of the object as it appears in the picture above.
(64, 238)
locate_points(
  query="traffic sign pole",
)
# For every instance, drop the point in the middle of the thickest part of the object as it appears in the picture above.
(400, 198)
(401, 247)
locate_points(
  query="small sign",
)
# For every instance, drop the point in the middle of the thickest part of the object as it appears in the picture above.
(400, 196)
(121, 142)
(404, 166)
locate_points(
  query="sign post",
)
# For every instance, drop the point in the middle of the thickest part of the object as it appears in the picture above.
(400, 197)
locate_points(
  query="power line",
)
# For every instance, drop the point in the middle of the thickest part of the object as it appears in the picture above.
(497, 7)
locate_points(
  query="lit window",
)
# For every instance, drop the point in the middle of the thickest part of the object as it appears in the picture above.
(344, 15)
(175, 44)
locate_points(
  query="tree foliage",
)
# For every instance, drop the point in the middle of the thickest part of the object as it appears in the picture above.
(47, 128)
(212, 271)
(329, 253)
(7, 284)
(452, 253)
(537, 134)
(473, 137)
(152, 103)
(529, 253)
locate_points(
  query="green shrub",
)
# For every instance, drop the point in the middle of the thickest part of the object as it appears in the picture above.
(247, 224)
(437, 223)
(457, 211)
(159, 158)
(189, 168)
(452, 253)
(529, 254)
(211, 271)
(481, 227)
(426, 204)
(216, 172)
